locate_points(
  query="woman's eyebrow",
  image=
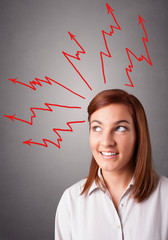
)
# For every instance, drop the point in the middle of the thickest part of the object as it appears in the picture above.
(115, 123)
(96, 122)
(121, 121)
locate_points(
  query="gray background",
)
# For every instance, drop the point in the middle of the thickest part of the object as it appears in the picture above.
(33, 35)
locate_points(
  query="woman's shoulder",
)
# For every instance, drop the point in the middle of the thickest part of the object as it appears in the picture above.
(163, 181)
(162, 187)
(74, 191)
(77, 187)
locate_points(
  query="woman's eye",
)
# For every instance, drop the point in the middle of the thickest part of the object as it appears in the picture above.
(121, 129)
(96, 129)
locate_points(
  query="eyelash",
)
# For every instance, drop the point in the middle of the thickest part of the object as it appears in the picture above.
(95, 127)
(117, 129)
(125, 128)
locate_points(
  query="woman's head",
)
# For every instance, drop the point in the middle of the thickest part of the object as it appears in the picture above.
(113, 139)
(135, 108)
(112, 106)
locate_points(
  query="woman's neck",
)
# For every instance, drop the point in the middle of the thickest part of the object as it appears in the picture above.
(114, 180)
(116, 183)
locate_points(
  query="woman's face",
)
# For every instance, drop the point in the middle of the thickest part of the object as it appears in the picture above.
(112, 138)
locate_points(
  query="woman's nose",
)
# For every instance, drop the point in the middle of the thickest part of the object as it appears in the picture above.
(108, 140)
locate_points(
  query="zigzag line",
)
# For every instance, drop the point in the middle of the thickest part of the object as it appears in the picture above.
(76, 57)
(109, 9)
(38, 81)
(148, 60)
(12, 117)
(59, 139)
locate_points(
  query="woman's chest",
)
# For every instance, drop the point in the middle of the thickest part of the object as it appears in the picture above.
(98, 219)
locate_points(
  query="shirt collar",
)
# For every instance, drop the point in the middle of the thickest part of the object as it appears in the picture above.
(93, 187)
(131, 182)
(100, 186)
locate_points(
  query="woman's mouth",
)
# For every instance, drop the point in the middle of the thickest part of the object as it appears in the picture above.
(109, 154)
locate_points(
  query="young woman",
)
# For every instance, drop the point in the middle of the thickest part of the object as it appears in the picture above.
(122, 197)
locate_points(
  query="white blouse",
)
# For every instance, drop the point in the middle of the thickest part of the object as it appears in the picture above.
(95, 218)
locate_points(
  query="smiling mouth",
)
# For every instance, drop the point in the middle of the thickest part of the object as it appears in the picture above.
(108, 154)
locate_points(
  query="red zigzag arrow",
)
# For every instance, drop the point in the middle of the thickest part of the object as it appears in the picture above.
(56, 130)
(148, 60)
(38, 81)
(12, 117)
(110, 10)
(76, 57)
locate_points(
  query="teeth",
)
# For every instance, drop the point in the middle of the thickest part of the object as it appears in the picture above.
(109, 153)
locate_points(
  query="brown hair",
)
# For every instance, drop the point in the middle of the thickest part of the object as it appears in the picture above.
(145, 178)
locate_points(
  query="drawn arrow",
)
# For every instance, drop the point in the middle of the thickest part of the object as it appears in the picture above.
(68, 56)
(148, 60)
(38, 81)
(108, 54)
(59, 139)
(12, 117)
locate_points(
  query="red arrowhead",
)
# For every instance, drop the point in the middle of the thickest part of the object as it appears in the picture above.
(10, 117)
(28, 142)
(141, 19)
(109, 8)
(71, 35)
(12, 80)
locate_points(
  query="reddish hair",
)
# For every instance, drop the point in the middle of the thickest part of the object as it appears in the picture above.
(145, 178)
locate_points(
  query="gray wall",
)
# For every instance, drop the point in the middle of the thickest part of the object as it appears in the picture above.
(33, 35)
